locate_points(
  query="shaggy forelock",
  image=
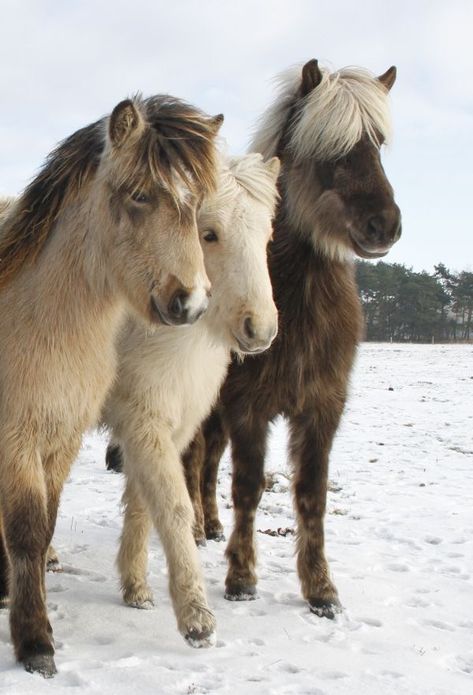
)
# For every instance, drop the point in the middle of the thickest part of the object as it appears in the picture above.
(251, 174)
(247, 172)
(176, 150)
(330, 120)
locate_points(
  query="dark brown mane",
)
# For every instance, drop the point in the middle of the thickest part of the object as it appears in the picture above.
(181, 141)
(66, 170)
(179, 145)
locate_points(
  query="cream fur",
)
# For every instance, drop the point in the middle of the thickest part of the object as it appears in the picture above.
(168, 380)
(59, 320)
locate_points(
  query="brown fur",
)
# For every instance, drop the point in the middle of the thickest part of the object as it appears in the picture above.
(329, 210)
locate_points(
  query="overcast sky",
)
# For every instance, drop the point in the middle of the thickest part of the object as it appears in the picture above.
(66, 63)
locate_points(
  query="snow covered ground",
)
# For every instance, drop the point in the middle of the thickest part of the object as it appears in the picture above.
(399, 539)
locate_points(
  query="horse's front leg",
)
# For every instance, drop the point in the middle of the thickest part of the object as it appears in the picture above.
(158, 472)
(26, 532)
(310, 443)
(56, 470)
(248, 452)
(216, 439)
(193, 461)
(132, 560)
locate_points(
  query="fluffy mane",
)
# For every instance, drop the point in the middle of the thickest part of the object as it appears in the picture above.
(330, 120)
(251, 174)
(175, 148)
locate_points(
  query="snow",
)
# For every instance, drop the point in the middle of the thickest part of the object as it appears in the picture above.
(399, 539)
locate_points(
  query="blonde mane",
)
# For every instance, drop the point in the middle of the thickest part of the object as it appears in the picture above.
(251, 174)
(331, 119)
(248, 172)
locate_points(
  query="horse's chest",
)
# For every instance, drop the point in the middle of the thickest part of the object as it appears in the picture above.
(306, 365)
(199, 386)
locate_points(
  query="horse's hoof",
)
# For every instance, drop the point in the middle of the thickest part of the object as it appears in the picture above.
(240, 593)
(146, 605)
(215, 534)
(40, 663)
(201, 639)
(325, 608)
(139, 597)
(200, 542)
(54, 565)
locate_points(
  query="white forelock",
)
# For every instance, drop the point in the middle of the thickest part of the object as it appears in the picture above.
(332, 117)
(252, 173)
(248, 171)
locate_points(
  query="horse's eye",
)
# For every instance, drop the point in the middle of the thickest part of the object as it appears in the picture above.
(210, 236)
(140, 197)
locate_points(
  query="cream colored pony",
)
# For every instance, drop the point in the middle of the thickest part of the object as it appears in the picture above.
(168, 380)
(108, 226)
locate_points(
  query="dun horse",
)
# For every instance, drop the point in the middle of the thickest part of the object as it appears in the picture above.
(108, 226)
(327, 129)
(169, 380)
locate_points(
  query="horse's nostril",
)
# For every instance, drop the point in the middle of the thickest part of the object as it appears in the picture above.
(177, 305)
(375, 226)
(249, 328)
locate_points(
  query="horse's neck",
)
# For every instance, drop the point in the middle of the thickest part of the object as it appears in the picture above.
(67, 285)
(304, 278)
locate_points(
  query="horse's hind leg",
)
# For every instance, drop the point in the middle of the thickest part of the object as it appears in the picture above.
(216, 439)
(248, 453)
(26, 532)
(310, 443)
(56, 470)
(52, 560)
(157, 469)
(193, 461)
(132, 560)
(4, 569)
(113, 458)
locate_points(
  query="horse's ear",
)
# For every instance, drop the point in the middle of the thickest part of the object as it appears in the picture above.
(311, 77)
(388, 78)
(273, 166)
(124, 121)
(216, 122)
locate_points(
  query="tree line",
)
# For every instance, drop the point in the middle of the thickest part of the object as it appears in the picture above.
(402, 305)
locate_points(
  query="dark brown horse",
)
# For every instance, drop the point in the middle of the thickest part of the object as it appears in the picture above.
(327, 129)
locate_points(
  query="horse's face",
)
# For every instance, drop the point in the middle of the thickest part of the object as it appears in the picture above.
(344, 201)
(157, 257)
(234, 236)
(357, 204)
(153, 245)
